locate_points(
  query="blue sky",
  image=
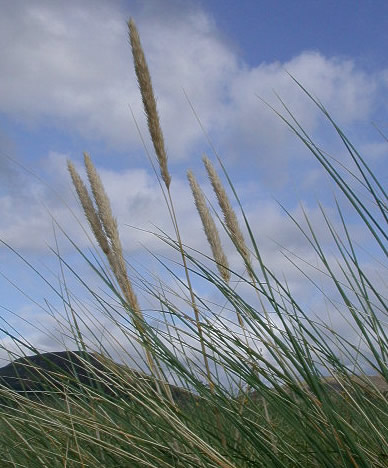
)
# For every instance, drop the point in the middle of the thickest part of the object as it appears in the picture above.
(67, 84)
(278, 30)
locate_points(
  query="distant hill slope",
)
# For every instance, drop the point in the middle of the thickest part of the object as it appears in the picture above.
(365, 382)
(40, 374)
(369, 384)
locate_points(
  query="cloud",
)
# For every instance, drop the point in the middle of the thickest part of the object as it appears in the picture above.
(71, 66)
(28, 214)
(66, 63)
(346, 91)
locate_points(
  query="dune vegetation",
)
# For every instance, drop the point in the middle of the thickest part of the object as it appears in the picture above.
(265, 385)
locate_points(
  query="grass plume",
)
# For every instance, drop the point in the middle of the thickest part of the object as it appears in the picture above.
(105, 229)
(228, 212)
(88, 207)
(149, 101)
(209, 227)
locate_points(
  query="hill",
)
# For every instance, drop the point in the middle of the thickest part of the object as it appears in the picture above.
(45, 374)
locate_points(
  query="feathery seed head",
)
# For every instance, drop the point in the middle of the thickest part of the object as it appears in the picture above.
(149, 101)
(227, 210)
(88, 207)
(104, 227)
(103, 204)
(209, 227)
(109, 223)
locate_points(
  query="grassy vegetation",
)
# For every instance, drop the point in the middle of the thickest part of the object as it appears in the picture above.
(258, 397)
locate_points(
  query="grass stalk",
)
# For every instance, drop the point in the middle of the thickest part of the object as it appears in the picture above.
(150, 107)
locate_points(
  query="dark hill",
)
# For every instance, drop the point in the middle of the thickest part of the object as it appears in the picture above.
(44, 374)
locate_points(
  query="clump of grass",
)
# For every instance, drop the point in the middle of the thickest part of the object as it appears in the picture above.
(287, 416)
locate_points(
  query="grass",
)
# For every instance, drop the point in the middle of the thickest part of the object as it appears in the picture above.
(256, 375)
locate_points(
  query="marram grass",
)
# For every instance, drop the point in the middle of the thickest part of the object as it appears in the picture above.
(257, 392)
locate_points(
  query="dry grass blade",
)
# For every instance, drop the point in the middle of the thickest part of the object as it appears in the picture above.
(209, 227)
(228, 212)
(149, 101)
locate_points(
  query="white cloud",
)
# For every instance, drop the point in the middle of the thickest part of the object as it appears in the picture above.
(27, 214)
(257, 137)
(71, 65)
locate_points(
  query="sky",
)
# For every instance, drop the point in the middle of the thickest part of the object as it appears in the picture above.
(68, 86)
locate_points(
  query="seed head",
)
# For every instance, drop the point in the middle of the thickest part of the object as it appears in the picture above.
(228, 212)
(149, 101)
(209, 227)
